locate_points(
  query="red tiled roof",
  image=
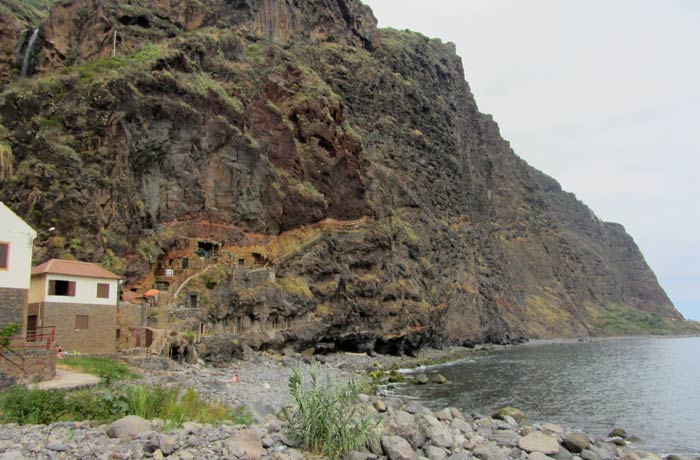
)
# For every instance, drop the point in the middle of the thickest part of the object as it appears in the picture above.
(74, 268)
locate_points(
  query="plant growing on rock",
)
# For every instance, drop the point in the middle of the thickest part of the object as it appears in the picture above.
(325, 418)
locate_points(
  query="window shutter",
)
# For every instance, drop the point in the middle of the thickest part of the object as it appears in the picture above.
(4, 250)
(52, 287)
(71, 289)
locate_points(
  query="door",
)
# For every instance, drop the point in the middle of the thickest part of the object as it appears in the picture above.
(31, 328)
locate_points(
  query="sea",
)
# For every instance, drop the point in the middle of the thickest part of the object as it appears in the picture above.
(648, 386)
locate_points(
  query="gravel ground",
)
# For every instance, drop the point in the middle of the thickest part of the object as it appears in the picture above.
(264, 377)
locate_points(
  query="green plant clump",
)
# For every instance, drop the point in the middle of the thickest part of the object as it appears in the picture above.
(324, 418)
(26, 406)
(107, 369)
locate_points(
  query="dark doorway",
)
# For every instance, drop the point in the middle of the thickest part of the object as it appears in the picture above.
(32, 323)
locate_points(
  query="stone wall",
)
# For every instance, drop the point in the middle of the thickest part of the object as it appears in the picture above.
(98, 338)
(39, 365)
(12, 303)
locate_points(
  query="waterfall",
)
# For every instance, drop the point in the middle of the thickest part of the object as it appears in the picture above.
(28, 53)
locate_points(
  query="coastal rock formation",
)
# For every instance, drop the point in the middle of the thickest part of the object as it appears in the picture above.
(347, 165)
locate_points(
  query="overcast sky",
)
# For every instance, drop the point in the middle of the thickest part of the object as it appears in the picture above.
(603, 96)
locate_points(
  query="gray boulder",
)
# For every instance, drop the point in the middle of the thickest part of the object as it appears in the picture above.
(397, 448)
(440, 436)
(129, 426)
(464, 427)
(505, 437)
(435, 453)
(539, 442)
(576, 442)
(246, 445)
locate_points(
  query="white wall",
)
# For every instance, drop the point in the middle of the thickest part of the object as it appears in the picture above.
(20, 236)
(85, 290)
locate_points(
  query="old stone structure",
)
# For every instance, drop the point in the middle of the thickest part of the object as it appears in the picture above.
(80, 300)
(37, 366)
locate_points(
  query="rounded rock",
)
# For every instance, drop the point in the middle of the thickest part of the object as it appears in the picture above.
(576, 442)
(539, 442)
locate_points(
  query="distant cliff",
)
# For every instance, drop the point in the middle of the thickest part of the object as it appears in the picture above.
(353, 161)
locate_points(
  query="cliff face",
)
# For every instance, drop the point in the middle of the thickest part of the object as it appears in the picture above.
(352, 161)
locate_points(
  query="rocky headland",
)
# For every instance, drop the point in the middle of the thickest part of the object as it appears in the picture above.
(338, 179)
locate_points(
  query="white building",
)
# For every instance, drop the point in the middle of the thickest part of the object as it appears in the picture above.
(80, 300)
(16, 242)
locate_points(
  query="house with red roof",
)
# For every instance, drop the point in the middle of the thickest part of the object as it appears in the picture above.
(80, 299)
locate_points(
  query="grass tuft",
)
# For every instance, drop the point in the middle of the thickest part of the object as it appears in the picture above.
(325, 418)
(107, 369)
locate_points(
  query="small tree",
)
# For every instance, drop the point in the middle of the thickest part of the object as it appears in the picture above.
(6, 334)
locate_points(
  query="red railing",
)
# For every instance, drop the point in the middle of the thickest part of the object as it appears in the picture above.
(39, 338)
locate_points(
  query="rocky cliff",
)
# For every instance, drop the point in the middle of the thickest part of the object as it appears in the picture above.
(298, 138)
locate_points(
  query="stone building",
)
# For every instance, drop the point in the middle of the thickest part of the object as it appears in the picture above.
(78, 298)
(16, 240)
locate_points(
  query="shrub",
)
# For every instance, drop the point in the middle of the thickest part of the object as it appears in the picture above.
(324, 418)
(24, 406)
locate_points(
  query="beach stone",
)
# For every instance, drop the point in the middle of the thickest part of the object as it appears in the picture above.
(167, 444)
(186, 455)
(489, 451)
(57, 446)
(158, 455)
(673, 457)
(618, 441)
(435, 453)
(576, 442)
(618, 433)
(551, 427)
(12, 455)
(397, 448)
(421, 379)
(445, 414)
(514, 412)
(459, 456)
(440, 436)
(587, 454)
(456, 413)
(538, 456)
(412, 407)
(563, 454)
(439, 379)
(462, 426)
(506, 437)
(246, 445)
(192, 427)
(363, 398)
(380, 405)
(539, 442)
(129, 426)
(604, 451)
(510, 421)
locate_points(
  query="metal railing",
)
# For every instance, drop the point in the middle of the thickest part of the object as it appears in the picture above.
(37, 338)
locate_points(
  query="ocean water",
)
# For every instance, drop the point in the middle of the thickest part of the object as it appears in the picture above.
(649, 386)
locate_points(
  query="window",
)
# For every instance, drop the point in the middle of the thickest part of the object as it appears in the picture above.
(185, 263)
(103, 290)
(62, 288)
(4, 255)
(81, 322)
